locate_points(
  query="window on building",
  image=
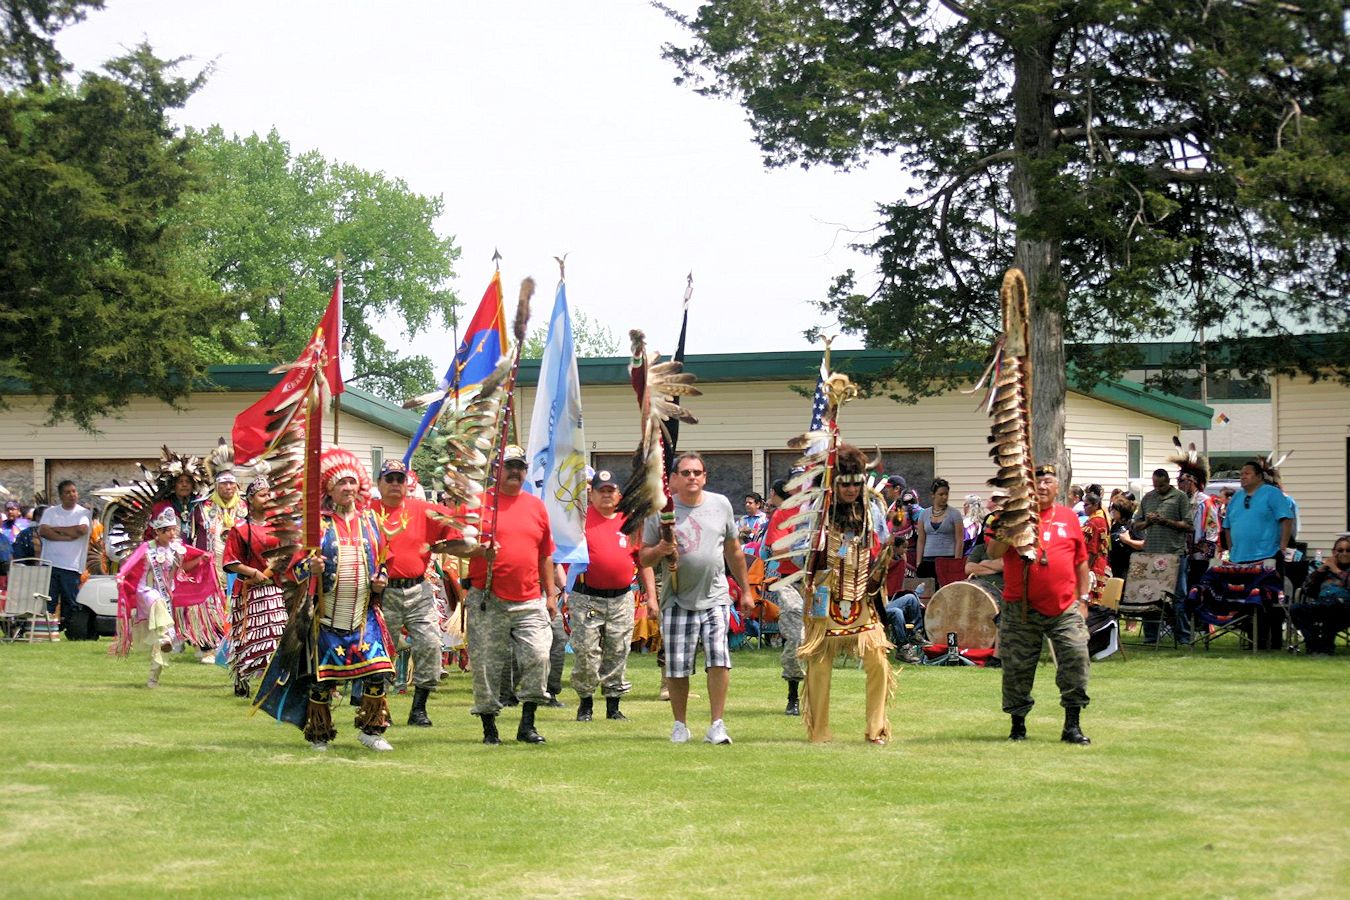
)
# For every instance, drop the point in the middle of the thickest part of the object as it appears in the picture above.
(376, 460)
(1135, 455)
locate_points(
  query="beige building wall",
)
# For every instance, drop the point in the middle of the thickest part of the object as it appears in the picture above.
(49, 454)
(1313, 420)
(761, 416)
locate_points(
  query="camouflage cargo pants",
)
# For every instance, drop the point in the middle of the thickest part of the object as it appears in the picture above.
(790, 629)
(602, 630)
(414, 609)
(498, 628)
(1020, 638)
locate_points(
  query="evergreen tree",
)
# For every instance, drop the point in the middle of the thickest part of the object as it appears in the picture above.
(1153, 167)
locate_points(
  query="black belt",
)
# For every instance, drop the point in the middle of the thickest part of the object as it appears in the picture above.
(602, 592)
(406, 582)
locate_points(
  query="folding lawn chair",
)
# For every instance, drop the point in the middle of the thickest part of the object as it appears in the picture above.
(26, 602)
(1234, 599)
(1149, 593)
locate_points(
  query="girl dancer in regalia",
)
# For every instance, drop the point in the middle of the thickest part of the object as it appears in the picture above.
(162, 590)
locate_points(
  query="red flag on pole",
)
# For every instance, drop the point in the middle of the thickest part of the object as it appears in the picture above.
(251, 433)
(326, 344)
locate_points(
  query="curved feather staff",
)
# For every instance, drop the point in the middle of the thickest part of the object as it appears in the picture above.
(508, 405)
(658, 386)
(1017, 523)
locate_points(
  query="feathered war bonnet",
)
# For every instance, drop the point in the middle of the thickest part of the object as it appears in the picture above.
(337, 464)
(1190, 462)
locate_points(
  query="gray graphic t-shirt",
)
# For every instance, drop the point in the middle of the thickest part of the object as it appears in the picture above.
(700, 531)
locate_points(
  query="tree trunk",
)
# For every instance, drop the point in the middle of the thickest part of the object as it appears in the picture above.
(1038, 250)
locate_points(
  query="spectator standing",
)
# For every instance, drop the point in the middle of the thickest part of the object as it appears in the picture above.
(941, 530)
(1124, 540)
(1164, 514)
(1203, 541)
(1259, 524)
(1097, 536)
(65, 544)
(696, 602)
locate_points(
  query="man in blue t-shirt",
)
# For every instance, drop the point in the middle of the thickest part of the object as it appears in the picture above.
(1259, 521)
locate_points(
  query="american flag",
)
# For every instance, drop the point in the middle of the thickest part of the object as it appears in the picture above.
(818, 407)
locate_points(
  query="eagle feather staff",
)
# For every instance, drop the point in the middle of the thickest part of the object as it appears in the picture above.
(657, 385)
(1017, 523)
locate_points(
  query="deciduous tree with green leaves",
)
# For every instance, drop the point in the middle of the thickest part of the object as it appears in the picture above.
(1153, 166)
(268, 226)
(590, 337)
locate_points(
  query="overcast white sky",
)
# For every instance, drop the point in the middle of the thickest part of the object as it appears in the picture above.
(549, 128)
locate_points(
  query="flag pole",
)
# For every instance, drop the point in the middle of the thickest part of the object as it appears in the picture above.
(337, 398)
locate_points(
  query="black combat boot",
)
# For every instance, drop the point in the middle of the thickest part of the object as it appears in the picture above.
(584, 709)
(490, 730)
(1019, 729)
(1072, 734)
(526, 733)
(793, 707)
(418, 714)
(612, 710)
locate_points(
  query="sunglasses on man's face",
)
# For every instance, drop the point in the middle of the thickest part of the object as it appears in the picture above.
(691, 473)
(396, 477)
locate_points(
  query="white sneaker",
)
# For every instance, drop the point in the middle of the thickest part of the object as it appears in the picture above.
(717, 734)
(375, 742)
(319, 746)
(679, 734)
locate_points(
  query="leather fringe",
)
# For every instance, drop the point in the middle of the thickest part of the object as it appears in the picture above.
(319, 721)
(373, 716)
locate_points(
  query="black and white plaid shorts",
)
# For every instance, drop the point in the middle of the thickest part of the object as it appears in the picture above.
(682, 630)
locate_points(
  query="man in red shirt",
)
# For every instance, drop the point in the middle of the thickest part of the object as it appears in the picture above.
(512, 598)
(602, 603)
(1053, 580)
(408, 604)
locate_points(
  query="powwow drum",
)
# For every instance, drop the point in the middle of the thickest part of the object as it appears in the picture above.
(967, 608)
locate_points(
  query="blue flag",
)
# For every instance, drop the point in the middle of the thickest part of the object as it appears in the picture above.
(557, 451)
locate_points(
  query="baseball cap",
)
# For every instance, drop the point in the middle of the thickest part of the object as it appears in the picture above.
(897, 481)
(1046, 469)
(12, 504)
(514, 453)
(393, 465)
(603, 478)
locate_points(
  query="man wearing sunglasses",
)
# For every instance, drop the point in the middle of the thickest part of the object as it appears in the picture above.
(695, 606)
(408, 603)
(1259, 521)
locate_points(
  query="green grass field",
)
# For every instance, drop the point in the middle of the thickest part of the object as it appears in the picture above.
(1218, 774)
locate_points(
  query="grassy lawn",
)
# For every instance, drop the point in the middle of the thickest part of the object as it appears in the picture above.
(1213, 773)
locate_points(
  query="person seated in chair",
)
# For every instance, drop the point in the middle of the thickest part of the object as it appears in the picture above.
(1324, 610)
